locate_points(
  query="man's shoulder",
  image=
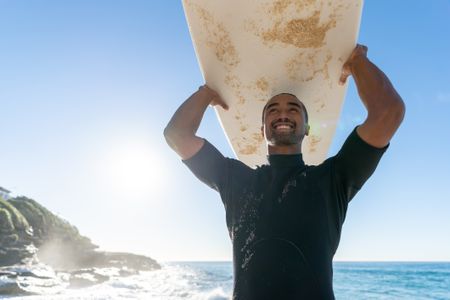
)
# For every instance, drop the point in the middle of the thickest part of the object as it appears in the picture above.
(236, 166)
(323, 166)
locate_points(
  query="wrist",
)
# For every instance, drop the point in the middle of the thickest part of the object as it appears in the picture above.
(204, 94)
(358, 63)
(359, 59)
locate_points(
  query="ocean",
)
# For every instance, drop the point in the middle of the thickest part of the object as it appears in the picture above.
(213, 281)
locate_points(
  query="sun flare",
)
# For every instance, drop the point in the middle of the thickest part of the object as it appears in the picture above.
(133, 168)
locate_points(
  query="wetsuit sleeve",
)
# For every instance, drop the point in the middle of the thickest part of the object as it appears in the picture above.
(210, 166)
(354, 164)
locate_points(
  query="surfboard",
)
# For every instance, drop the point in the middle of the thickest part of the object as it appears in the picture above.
(249, 51)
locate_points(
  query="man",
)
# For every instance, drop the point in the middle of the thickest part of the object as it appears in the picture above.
(285, 218)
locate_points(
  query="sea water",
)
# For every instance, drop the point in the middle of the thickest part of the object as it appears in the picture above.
(213, 281)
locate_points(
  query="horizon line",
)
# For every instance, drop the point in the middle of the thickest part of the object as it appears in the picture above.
(338, 261)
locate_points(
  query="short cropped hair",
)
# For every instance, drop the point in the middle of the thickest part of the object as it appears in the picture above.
(302, 105)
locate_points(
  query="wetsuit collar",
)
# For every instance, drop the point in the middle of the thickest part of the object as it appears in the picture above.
(286, 160)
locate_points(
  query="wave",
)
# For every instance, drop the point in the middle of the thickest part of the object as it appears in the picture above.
(172, 281)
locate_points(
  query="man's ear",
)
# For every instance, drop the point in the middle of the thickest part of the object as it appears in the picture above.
(262, 130)
(307, 129)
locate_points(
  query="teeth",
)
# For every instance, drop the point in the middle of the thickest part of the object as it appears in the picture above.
(282, 127)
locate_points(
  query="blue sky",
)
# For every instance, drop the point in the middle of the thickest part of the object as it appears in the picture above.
(87, 87)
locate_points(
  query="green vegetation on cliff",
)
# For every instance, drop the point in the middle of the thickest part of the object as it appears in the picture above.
(6, 224)
(9, 215)
(16, 236)
(48, 226)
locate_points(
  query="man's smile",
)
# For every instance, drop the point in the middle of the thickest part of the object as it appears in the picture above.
(283, 126)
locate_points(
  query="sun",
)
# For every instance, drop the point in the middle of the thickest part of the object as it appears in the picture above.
(133, 168)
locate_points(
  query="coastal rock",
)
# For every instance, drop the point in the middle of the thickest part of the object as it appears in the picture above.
(86, 278)
(30, 231)
(39, 278)
(30, 279)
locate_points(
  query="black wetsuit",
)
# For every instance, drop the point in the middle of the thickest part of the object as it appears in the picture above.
(285, 218)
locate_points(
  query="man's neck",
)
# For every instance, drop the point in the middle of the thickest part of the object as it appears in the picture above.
(284, 149)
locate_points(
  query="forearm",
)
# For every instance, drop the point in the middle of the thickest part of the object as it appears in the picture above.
(187, 118)
(385, 107)
(376, 91)
(182, 127)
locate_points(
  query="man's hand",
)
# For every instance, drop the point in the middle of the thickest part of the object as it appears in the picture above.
(213, 96)
(360, 52)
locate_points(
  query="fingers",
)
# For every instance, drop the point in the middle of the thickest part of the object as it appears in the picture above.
(362, 48)
(358, 52)
(225, 106)
(219, 101)
(346, 72)
(343, 79)
(215, 97)
(210, 91)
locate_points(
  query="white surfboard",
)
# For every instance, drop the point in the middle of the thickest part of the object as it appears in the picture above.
(251, 50)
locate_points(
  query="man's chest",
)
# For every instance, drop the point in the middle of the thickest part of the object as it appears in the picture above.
(291, 206)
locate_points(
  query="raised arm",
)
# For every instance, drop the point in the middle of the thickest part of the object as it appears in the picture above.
(385, 107)
(180, 133)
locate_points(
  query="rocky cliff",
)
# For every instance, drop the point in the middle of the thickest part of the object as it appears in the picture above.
(30, 231)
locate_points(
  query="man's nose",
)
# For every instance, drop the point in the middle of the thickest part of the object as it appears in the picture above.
(283, 114)
(283, 119)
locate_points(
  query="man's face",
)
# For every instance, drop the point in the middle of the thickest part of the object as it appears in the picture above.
(284, 121)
